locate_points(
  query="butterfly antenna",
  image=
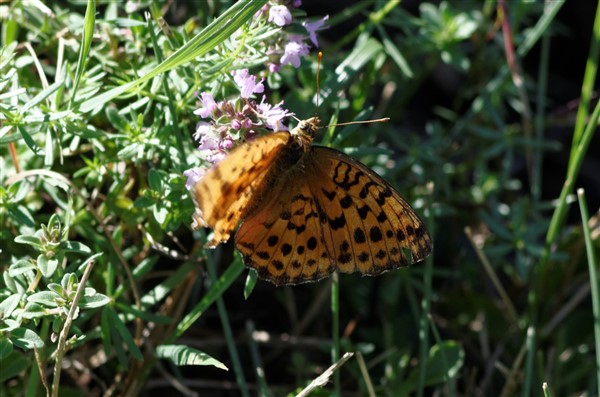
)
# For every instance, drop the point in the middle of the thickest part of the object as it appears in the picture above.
(383, 120)
(319, 57)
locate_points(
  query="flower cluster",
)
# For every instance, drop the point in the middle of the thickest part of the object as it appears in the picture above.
(236, 121)
(288, 48)
(233, 122)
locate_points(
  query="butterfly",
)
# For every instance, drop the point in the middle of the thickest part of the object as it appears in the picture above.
(307, 211)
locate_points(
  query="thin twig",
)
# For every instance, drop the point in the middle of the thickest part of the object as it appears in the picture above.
(64, 333)
(514, 317)
(322, 379)
(113, 244)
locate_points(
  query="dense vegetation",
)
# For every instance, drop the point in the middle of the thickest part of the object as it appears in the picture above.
(107, 289)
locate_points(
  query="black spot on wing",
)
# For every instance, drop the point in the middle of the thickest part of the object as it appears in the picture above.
(364, 211)
(285, 215)
(375, 234)
(278, 264)
(286, 249)
(328, 194)
(346, 202)
(359, 236)
(338, 222)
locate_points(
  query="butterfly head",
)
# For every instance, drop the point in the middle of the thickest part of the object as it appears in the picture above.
(306, 130)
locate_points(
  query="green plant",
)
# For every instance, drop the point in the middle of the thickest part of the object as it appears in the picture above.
(107, 289)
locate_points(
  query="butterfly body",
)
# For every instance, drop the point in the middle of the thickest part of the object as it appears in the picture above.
(307, 210)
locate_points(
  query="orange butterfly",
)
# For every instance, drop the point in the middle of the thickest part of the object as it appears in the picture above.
(307, 211)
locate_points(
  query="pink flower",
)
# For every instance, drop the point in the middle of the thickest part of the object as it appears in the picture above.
(273, 115)
(313, 27)
(215, 157)
(202, 128)
(292, 53)
(209, 142)
(280, 15)
(193, 176)
(247, 83)
(208, 105)
(226, 143)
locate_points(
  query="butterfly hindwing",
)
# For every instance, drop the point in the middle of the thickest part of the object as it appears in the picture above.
(371, 224)
(224, 193)
(330, 212)
(282, 239)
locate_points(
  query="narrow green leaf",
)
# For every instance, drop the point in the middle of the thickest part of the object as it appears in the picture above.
(22, 215)
(214, 34)
(216, 290)
(116, 322)
(36, 100)
(183, 355)
(49, 149)
(250, 283)
(29, 141)
(84, 49)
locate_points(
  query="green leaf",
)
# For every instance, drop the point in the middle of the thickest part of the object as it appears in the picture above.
(47, 266)
(160, 213)
(183, 355)
(159, 292)
(76, 246)
(13, 365)
(84, 49)
(21, 267)
(49, 149)
(250, 283)
(146, 315)
(47, 298)
(90, 302)
(154, 180)
(26, 338)
(41, 96)
(29, 239)
(144, 202)
(33, 310)
(216, 290)
(22, 215)
(57, 288)
(444, 362)
(116, 322)
(206, 40)
(9, 304)
(105, 329)
(361, 55)
(6, 347)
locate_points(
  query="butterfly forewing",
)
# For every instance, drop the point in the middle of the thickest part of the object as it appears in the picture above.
(224, 194)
